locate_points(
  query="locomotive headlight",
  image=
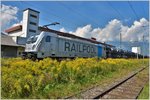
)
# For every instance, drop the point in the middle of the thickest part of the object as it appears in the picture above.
(33, 47)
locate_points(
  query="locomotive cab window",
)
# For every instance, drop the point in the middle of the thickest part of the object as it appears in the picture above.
(32, 39)
(48, 39)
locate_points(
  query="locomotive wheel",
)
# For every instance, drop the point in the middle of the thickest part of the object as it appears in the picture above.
(33, 58)
(24, 57)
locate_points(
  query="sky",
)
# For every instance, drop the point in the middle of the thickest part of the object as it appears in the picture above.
(104, 20)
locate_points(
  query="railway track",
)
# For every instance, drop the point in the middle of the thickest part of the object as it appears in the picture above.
(128, 87)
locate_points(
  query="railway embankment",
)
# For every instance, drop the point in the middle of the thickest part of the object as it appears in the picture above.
(49, 78)
(128, 87)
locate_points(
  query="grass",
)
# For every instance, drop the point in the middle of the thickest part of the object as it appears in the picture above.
(145, 92)
(51, 79)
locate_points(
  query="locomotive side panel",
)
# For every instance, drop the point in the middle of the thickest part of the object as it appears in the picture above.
(101, 51)
(74, 48)
(48, 47)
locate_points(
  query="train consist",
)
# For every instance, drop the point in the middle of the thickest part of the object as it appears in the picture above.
(119, 53)
(55, 44)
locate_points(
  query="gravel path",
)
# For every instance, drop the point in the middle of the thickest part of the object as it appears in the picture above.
(128, 87)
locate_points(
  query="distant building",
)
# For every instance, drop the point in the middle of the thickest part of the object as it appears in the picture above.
(136, 50)
(9, 48)
(28, 28)
(13, 44)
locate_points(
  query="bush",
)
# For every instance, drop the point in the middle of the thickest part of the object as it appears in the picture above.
(28, 79)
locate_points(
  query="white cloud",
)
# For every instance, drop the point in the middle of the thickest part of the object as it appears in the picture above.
(136, 31)
(8, 14)
(63, 30)
(84, 31)
(111, 32)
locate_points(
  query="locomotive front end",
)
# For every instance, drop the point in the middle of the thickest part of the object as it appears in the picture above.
(31, 48)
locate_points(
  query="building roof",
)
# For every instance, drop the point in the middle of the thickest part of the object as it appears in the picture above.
(19, 27)
(8, 41)
(15, 28)
(31, 10)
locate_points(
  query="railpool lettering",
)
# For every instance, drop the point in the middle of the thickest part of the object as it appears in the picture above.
(88, 49)
(73, 47)
(67, 46)
(79, 47)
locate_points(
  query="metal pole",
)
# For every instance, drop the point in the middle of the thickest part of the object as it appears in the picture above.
(143, 47)
(120, 40)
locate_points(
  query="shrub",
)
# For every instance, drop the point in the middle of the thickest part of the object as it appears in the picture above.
(28, 79)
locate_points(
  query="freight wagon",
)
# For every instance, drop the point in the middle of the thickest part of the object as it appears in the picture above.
(49, 44)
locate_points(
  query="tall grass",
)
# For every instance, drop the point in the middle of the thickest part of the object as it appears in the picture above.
(49, 78)
(145, 92)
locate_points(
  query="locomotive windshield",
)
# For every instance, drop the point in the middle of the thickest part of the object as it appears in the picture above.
(32, 39)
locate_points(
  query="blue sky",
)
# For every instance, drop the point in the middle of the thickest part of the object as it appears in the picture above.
(77, 14)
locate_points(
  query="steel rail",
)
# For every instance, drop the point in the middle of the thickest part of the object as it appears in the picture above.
(112, 87)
